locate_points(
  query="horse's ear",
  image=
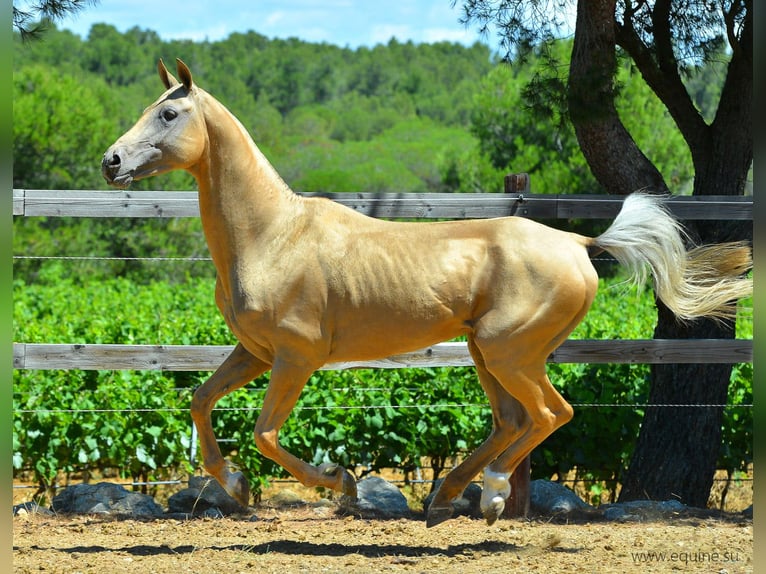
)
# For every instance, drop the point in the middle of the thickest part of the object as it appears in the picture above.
(184, 73)
(166, 77)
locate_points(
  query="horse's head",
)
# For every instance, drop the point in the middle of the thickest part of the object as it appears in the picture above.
(169, 135)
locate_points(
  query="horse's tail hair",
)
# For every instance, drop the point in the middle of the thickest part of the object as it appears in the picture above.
(705, 281)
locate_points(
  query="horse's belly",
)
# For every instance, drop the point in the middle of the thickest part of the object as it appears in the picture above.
(372, 334)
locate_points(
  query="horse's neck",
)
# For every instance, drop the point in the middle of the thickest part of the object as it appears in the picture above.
(242, 197)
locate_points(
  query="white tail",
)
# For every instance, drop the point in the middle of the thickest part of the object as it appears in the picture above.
(705, 281)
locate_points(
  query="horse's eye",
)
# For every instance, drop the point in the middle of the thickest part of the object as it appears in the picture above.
(169, 114)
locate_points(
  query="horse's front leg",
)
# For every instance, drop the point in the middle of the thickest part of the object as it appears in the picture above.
(287, 382)
(237, 370)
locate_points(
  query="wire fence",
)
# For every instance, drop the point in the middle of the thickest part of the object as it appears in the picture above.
(743, 212)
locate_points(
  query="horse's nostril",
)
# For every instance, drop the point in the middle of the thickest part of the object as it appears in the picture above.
(111, 165)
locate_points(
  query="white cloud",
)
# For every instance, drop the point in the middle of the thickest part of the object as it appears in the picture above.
(211, 33)
(275, 18)
(381, 34)
(341, 22)
(431, 35)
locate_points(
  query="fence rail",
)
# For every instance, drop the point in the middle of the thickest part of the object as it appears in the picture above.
(165, 204)
(516, 201)
(73, 203)
(38, 356)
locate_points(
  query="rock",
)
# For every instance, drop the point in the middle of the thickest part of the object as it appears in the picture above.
(104, 498)
(205, 497)
(466, 505)
(617, 513)
(469, 502)
(204, 493)
(639, 510)
(548, 497)
(286, 498)
(187, 501)
(31, 508)
(323, 503)
(379, 496)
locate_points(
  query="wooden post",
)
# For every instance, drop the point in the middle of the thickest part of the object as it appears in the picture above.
(517, 505)
(516, 183)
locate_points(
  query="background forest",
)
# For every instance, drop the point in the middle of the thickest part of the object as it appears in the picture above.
(398, 117)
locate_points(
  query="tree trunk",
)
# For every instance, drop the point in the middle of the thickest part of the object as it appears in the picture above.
(677, 448)
(614, 158)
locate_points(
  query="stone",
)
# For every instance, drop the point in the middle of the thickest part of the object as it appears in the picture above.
(31, 508)
(467, 504)
(377, 495)
(548, 497)
(286, 498)
(639, 510)
(204, 493)
(104, 498)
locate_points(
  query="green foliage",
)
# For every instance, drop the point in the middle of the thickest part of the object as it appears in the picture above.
(296, 97)
(407, 157)
(519, 118)
(386, 419)
(59, 126)
(138, 422)
(79, 421)
(396, 117)
(109, 238)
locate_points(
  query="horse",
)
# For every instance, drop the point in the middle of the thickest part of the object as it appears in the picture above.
(304, 281)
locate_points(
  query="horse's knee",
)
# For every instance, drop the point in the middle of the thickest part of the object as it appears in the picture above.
(266, 441)
(558, 415)
(564, 414)
(200, 404)
(552, 417)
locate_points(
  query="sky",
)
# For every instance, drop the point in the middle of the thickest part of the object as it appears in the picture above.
(341, 22)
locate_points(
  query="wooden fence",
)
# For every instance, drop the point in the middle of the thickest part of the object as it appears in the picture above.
(516, 201)
(426, 206)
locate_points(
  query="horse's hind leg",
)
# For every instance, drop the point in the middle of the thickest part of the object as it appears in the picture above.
(237, 370)
(509, 420)
(547, 411)
(523, 375)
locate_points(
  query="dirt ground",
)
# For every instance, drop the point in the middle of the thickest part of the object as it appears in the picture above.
(315, 538)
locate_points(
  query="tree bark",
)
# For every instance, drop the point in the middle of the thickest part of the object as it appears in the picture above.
(614, 158)
(677, 448)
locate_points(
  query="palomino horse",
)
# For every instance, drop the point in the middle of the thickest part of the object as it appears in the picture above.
(306, 281)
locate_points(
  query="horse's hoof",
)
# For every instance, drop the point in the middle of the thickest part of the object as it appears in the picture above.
(348, 487)
(238, 488)
(330, 468)
(494, 510)
(437, 515)
(345, 482)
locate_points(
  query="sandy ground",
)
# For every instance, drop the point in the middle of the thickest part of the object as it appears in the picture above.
(280, 537)
(316, 539)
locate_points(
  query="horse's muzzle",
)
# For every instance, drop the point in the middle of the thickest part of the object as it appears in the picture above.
(111, 168)
(122, 164)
